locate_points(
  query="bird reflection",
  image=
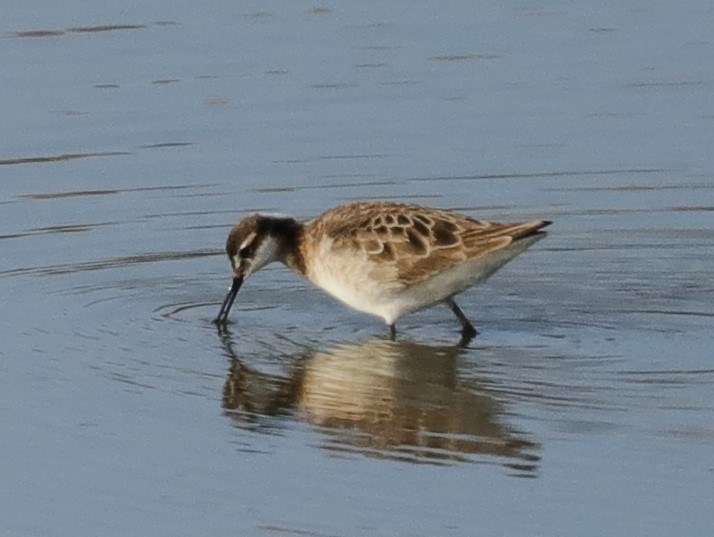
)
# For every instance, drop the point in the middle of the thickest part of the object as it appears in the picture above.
(383, 399)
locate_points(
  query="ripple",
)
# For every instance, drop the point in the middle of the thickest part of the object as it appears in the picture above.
(166, 144)
(463, 57)
(111, 263)
(41, 196)
(67, 228)
(333, 85)
(670, 377)
(24, 34)
(59, 158)
(543, 174)
(173, 311)
(105, 28)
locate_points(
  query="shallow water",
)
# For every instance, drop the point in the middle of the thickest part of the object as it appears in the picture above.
(133, 139)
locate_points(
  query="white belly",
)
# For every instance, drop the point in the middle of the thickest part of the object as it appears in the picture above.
(344, 278)
(374, 288)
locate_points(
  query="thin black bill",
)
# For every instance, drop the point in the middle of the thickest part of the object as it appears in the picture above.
(228, 301)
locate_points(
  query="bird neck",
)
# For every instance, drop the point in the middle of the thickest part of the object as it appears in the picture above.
(289, 233)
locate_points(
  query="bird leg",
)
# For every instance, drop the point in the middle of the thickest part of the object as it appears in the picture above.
(467, 329)
(392, 332)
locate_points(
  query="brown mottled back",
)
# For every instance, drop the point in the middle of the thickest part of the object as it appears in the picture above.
(418, 242)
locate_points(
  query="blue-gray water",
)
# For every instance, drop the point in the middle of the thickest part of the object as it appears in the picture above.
(134, 134)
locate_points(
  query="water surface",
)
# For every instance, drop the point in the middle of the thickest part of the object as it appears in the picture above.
(133, 139)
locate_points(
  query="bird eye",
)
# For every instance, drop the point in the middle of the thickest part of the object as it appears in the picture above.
(246, 251)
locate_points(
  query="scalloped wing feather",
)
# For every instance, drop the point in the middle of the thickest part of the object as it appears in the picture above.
(412, 243)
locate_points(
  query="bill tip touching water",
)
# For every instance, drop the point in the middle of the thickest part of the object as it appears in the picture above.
(382, 258)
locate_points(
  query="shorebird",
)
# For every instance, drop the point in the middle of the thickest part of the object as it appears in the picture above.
(386, 259)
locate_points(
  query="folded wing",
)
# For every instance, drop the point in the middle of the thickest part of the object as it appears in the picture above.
(413, 243)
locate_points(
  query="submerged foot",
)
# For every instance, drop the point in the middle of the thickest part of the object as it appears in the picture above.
(467, 334)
